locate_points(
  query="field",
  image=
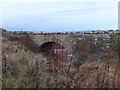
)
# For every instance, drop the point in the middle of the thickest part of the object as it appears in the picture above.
(90, 65)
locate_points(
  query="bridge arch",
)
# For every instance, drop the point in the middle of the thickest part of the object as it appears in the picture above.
(49, 45)
(49, 39)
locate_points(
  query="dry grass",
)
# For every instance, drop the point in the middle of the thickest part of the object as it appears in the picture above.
(26, 69)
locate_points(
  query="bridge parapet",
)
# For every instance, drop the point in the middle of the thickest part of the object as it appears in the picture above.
(49, 39)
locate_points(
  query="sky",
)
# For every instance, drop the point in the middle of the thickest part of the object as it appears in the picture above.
(58, 15)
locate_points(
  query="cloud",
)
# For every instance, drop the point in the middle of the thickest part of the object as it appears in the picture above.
(47, 8)
(59, 14)
(26, 1)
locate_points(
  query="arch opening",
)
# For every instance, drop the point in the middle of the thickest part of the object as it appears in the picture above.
(50, 47)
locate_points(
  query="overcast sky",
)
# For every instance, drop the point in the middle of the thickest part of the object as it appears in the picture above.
(58, 15)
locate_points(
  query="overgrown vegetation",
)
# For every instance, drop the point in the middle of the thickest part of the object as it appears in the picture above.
(92, 64)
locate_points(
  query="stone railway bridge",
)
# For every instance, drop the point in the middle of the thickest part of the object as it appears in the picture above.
(43, 42)
(55, 42)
